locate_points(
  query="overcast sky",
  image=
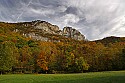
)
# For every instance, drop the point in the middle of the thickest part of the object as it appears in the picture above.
(95, 19)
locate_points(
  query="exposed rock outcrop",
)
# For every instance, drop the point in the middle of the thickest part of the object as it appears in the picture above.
(46, 27)
(36, 28)
(69, 32)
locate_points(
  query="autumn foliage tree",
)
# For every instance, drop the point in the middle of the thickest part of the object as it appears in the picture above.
(19, 54)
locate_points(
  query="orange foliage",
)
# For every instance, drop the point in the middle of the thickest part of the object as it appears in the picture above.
(41, 61)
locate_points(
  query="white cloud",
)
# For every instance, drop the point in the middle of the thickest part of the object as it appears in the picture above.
(68, 19)
(44, 12)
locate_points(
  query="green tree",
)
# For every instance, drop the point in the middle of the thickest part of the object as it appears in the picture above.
(24, 59)
(81, 65)
(8, 56)
(123, 58)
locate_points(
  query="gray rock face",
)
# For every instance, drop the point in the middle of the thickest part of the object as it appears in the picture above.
(69, 32)
(36, 28)
(46, 27)
(35, 36)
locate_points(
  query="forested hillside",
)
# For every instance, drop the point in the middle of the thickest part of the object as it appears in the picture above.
(22, 52)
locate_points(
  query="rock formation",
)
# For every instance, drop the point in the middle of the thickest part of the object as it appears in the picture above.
(69, 32)
(36, 30)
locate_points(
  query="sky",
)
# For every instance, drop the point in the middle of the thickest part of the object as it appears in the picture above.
(95, 19)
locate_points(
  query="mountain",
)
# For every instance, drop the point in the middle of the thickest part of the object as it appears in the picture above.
(111, 39)
(45, 31)
(65, 50)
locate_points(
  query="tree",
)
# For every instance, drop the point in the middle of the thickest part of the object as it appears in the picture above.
(46, 58)
(24, 59)
(123, 58)
(8, 56)
(41, 61)
(81, 65)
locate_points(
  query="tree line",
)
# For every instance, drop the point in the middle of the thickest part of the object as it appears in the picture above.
(19, 54)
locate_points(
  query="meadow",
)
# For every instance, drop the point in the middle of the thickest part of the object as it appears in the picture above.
(92, 77)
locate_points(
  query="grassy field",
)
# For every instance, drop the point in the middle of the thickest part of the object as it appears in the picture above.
(96, 77)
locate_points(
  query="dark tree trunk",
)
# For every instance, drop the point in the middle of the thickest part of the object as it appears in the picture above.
(1, 73)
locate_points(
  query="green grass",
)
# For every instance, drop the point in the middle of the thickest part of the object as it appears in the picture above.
(97, 77)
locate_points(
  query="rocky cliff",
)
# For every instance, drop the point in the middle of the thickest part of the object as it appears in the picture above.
(69, 32)
(39, 30)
